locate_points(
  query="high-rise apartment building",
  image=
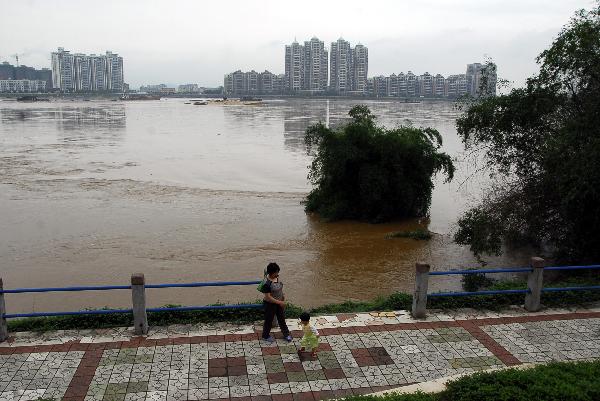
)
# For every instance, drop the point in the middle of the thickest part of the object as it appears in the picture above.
(84, 73)
(411, 84)
(240, 83)
(360, 68)
(316, 61)
(341, 67)
(63, 70)
(98, 73)
(306, 66)
(266, 81)
(349, 68)
(439, 86)
(481, 79)
(456, 85)
(294, 67)
(114, 72)
(251, 82)
(82, 68)
(426, 85)
(392, 85)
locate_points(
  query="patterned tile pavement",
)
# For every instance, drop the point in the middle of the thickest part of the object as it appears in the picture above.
(358, 354)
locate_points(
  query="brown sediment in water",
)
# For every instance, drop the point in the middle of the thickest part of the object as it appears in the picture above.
(112, 191)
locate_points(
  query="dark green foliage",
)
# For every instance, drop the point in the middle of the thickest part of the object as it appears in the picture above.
(418, 234)
(553, 382)
(362, 171)
(154, 319)
(70, 322)
(542, 145)
(396, 301)
(474, 282)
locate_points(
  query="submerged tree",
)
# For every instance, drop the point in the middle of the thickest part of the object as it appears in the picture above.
(367, 172)
(542, 145)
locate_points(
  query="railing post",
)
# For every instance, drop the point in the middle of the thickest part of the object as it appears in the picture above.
(3, 324)
(419, 305)
(535, 283)
(138, 297)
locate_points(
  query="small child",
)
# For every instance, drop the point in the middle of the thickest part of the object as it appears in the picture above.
(310, 339)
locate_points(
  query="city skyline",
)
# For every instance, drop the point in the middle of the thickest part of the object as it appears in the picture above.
(198, 42)
(309, 72)
(478, 79)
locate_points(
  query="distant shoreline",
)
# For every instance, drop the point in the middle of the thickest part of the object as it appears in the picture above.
(111, 96)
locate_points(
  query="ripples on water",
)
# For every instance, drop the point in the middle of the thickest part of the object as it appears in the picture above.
(93, 191)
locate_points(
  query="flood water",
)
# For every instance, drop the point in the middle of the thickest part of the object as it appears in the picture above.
(93, 191)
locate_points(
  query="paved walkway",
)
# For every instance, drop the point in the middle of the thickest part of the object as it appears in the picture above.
(359, 354)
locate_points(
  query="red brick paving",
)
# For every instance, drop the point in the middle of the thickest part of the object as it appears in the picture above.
(79, 385)
(498, 350)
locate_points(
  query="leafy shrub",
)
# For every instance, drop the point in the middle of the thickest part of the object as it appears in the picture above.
(476, 281)
(365, 172)
(540, 144)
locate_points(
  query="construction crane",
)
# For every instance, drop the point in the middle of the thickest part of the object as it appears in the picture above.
(16, 56)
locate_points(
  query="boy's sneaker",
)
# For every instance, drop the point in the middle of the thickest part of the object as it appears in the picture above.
(289, 338)
(269, 339)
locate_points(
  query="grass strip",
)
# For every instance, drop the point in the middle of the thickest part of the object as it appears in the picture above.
(395, 301)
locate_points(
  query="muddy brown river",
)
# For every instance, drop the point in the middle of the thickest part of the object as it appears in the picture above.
(92, 191)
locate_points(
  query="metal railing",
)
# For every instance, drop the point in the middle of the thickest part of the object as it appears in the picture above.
(139, 310)
(535, 284)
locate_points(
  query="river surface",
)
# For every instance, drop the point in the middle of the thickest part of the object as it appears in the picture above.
(93, 191)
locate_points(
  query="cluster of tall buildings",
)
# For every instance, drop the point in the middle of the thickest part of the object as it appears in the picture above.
(343, 70)
(252, 82)
(477, 78)
(309, 68)
(87, 73)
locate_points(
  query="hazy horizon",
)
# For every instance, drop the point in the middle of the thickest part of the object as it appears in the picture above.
(195, 42)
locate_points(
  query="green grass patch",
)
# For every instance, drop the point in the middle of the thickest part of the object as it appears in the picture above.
(240, 316)
(396, 301)
(557, 381)
(418, 234)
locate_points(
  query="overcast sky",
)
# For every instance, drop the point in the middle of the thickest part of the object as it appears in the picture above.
(175, 41)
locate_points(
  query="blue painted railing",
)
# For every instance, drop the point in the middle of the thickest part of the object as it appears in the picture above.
(510, 270)
(128, 287)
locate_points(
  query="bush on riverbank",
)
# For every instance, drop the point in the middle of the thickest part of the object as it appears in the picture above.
(396, 301)
(553, 382)
(366, 172)
(541, 145)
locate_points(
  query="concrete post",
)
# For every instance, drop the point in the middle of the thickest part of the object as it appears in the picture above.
(535, 283)
(419, 305)
(138, 297)
(3, 325)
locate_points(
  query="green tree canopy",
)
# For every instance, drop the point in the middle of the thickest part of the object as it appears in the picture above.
(366, 172)
(542, 145)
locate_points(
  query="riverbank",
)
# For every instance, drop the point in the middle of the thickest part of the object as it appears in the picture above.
(395, 302)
